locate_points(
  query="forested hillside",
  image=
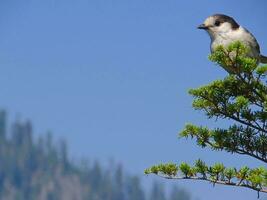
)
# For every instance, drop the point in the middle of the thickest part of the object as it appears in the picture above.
(39, 169)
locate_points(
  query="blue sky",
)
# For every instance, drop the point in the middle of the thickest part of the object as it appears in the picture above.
(111, 76)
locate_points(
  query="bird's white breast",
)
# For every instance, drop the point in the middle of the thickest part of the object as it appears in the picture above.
(240, 34)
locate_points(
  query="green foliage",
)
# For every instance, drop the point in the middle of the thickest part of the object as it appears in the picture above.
(201, 168)
(169, 169)
(234, 58)
(241, 98)
(217, 170)
(261, 70)
(256, 177)
(242, 174)
(230, 173)
(186, 170)
(218, 173)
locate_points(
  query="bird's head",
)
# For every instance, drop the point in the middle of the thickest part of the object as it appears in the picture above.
(219, 24)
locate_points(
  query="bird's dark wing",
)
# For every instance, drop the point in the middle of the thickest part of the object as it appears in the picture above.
(254, 43)
(263, 59)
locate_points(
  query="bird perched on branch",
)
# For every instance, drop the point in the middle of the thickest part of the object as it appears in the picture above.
(224, 30)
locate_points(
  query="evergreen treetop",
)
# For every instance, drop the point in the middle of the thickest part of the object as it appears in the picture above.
(240, 97)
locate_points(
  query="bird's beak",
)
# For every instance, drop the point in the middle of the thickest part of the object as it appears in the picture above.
(202, 26)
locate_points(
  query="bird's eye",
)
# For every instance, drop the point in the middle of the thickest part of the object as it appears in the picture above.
(217, 23)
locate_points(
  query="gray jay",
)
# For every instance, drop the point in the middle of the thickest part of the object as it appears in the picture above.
(224, 30)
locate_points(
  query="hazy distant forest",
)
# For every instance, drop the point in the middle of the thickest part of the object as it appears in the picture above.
(39, 169)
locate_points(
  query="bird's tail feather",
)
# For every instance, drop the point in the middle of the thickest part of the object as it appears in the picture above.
(263, 59)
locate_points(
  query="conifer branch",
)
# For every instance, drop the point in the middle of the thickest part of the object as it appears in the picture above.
(241, 97)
